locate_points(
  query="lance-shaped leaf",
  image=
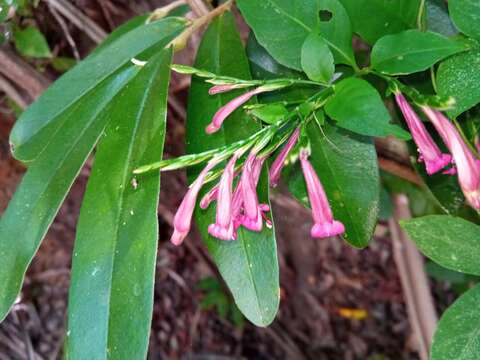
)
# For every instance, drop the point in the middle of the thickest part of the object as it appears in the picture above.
(412, 51)
(249, 264)
(45, 185)
(457, 336)
(56, 108)
(346, 164)
(111, 292)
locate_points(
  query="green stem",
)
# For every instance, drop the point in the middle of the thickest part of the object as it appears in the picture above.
(421, 9)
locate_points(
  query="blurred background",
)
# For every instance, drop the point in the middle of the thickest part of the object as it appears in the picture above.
(336, 302)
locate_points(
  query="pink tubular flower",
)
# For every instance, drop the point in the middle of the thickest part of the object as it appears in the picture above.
(209, 197)
(183, 217)
(467, 165)
(223, 227)
(325, 225)
(279, 162)
(229, 108)
(429, 151)
(252, 217)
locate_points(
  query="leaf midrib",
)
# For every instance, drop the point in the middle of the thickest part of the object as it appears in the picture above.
(124, 182)
(283, 12)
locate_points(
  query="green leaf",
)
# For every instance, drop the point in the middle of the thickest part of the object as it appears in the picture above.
(438, 19)
(281, 26)
(450, 241)
(263, 66)
(372, 19)
(30, 42)
(115, 248)
(459, 77)
(317, 59)
(269, 113)
(121, 30)
(465, 15)
(336, 29)
(47, 117)
(357, 106)
(346, 164)
(412, 51)
(45, 185)
(457, 336)
(248, 265)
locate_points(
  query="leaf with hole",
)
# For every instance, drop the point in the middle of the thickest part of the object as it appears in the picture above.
(412, 51)
(335, 28)
(281, 27)
(450, 241)
(346, 164)
(357, 106)
(249, 264)
(115, 247)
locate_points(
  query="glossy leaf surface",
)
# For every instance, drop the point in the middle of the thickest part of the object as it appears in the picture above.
(358, 107)
(52, 112)
(459, 77)
(457, 336)
(115, 248)
(248, 265)
(466, 16)
(412, 51)
(335, 28)
(45, 185)
(317, 59)
(346, 164)
(281, 26)
(372, 19)
(450, 241)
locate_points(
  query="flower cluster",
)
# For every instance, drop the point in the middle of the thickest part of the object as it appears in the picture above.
(238, 204)
(463, 161)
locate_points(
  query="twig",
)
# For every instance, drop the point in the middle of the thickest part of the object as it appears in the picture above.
(420, 306)
(22, 74)
(12, 93)
(180, 42)
(399, 170)
(106, 14)
(64, 27)
(199, 7)
(80, 20)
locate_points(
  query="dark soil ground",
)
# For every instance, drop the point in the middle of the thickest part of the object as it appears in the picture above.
(336, 302)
